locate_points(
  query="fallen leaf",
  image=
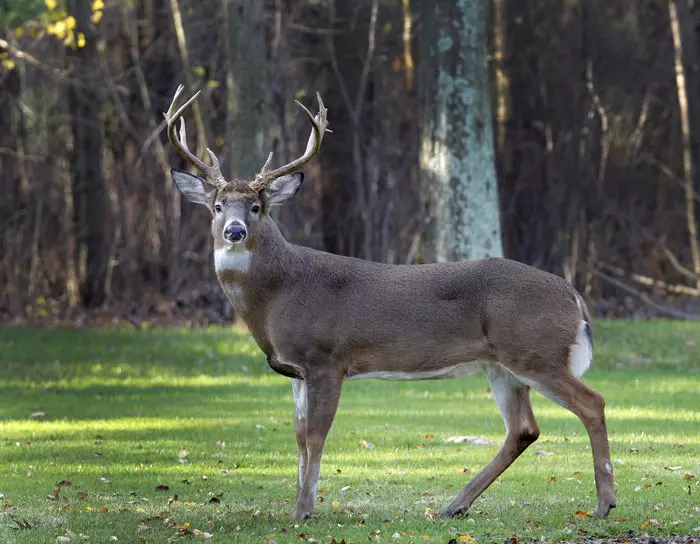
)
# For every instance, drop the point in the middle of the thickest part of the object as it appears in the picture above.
(471, 439)
(367, 445)
(37, 415)
(64, 483)
(542, 453)
(345, 488)
(162, 487)
(650, 522)
(672, 468)
(582, 514)
(688, 476)
(550, 479)
(105, 481)
(429, 436)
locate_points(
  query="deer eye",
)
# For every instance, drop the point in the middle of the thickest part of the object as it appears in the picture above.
(217, 208)
(255, 208)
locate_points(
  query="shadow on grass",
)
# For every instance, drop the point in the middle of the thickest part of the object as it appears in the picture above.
(37, 354)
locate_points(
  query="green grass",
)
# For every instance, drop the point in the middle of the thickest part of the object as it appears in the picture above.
(122, 408)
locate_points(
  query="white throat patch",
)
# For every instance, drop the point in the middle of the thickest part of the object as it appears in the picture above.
(232, 260)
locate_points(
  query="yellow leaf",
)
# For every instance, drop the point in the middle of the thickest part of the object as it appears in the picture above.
(50, 4)
(9, 64)
(98, 5)
(19, 31)
(89, 508)
(198, 71)
(212, 84)
(582, 514)
(301, 93)
(466, 538)
(81, 39)
(96, 17)
(59, 29)
(70, 22)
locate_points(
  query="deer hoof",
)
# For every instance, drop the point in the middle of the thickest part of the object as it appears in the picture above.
(603, 509)
(302, 515)
(448, 512)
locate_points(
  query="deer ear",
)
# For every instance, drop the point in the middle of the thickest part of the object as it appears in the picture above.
(283, 188)
(194, 188)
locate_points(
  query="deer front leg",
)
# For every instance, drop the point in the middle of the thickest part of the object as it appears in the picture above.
(299, 392)
(322, 394)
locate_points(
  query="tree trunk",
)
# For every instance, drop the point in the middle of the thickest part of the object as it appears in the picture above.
(688, 84)
(460, 196)
(246, 85)
(90, 201)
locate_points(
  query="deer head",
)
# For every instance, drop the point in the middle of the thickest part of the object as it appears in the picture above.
(238, 206)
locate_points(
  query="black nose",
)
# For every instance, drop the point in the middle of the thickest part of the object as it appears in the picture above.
(235, 232)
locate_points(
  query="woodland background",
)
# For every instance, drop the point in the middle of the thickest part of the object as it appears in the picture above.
(596, 123)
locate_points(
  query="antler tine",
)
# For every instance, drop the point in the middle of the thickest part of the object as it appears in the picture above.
(267, 163)
(213, 172)
(319, 125)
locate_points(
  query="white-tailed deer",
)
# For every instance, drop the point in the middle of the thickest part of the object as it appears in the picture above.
(322, 319)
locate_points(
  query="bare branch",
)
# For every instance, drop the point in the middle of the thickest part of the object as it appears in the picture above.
(663, 310)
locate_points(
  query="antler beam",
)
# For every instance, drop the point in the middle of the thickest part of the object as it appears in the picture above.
(319, 126)
(213, 172)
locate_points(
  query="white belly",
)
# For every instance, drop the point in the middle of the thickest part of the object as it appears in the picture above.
(455, 371)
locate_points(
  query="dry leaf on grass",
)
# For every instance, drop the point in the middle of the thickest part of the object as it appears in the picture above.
(470, 439)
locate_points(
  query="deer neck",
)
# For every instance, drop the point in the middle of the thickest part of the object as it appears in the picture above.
(251, 273)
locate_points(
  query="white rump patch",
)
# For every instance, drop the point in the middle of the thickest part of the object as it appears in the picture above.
(227, 259)
(581, 351)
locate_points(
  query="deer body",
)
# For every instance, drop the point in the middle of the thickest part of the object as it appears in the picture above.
(323, 318)
(432, 316)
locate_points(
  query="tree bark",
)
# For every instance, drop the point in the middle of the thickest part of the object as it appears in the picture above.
(688, 84)
(460, 192)
(246, 85)
(89, 192)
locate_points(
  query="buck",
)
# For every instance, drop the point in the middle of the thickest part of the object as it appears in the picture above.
(321, 319)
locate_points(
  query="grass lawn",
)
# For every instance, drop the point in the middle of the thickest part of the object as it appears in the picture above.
(181, 435)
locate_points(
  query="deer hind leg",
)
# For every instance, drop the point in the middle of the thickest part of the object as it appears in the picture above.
(513, 399)
(299, 392)
(322, 395)
(589, 406)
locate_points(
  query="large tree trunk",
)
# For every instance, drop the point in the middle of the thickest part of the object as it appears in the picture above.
(246, 85)
(90, 201)
(461, 210)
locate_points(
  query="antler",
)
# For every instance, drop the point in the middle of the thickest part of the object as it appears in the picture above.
(319, 126)
(213, 172)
